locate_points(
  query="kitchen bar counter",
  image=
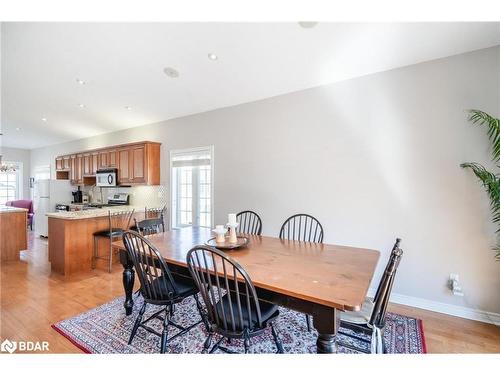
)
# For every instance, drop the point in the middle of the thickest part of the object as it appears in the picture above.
(92, 213)
(10, 209)
(71, 238)
(13, 232)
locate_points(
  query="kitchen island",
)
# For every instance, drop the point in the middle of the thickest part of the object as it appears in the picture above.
(13, 232)
(71, 238)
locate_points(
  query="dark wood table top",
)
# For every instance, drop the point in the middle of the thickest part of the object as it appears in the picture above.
(330, 275)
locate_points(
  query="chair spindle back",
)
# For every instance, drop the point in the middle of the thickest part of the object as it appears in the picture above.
(249, 222)
(119, 220)
(157, 284)
(302, 227)
(218, 276)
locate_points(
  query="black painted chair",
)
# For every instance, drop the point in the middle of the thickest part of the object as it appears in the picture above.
(233, 309)
(151, 224)
(302, 227)
(249, 222)
(118, 222)
(152, 213)
(370, 320)
(158, 287)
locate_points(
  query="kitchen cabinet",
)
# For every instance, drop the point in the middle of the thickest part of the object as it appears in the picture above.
(107, 159)
(103, 159)
(59, 164)
(137, 164)
(112, 160)
(87, 164)
(79, 170)
(72, 169)
(66, 160)
(124, 166)
(95, 163)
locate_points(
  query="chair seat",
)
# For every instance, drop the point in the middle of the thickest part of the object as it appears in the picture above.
(359, 317)
(268, 311)
(115, 232)
(185, 287)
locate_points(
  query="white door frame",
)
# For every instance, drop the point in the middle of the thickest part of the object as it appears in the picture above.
(173, 153)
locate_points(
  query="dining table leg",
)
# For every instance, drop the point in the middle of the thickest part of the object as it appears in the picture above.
(128, 281)
(327, 322)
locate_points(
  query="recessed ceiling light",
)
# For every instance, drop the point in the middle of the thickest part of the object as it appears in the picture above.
(307, 24)
(80, 81)
(18, 129)
(171, 72)
(81, 105)
(44, 119)
(212, 56)
(128, 108)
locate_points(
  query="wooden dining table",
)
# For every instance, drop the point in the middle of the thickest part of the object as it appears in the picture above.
(317, 279)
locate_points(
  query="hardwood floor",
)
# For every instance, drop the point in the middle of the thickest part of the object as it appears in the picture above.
(32, 299)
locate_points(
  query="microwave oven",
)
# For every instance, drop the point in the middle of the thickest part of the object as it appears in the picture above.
(106, 177)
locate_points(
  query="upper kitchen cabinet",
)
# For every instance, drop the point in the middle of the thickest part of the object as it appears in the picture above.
(107, 159)
(59, 164)
(137, 164)
(63, 163)
(123, 165)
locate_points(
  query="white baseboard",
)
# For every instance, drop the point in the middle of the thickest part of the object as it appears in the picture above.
(444, 308)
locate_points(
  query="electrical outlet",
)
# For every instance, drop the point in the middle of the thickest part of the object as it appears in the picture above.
(454, 285)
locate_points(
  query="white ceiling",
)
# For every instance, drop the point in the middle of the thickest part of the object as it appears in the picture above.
(123, 64)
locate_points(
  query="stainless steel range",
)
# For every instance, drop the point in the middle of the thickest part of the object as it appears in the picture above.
(119, 199)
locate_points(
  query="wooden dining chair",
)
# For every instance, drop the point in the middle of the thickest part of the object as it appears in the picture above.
(249, 222)
(158, 287)
(302, 227)
(370, 319)
(154, 222)
(233, 309)
(118, 222)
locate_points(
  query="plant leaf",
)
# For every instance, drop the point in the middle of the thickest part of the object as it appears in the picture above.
(491, 183)
(482, 118)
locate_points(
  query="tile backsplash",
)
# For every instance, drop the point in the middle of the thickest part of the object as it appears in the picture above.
(147, 196)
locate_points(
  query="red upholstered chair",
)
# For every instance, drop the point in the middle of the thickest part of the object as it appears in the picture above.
(24, 203)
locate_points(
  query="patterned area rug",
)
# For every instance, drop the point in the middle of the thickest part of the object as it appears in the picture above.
(106, 329)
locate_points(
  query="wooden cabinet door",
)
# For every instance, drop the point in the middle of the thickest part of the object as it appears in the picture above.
(94, 163)
(112, 159)
(66, 162)
(87, 164)
(79, 169)
(138, 164)
(72, 169)
(103, 159)
(123, 165)
(59, 164)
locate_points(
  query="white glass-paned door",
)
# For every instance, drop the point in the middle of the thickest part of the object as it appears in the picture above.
(192, 200)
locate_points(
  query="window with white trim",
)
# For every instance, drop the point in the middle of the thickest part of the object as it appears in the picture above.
(9, 184)
(191, 186)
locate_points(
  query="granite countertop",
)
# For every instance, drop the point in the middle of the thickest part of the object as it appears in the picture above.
(93, 213)
(9, 209)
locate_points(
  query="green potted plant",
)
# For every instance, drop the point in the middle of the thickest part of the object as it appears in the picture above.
(490, 181)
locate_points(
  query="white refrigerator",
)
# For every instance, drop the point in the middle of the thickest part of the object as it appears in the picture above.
(46, 194)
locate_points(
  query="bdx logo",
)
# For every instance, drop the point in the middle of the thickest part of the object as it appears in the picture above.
(24, 346)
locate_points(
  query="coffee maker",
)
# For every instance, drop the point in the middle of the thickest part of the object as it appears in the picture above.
(77, 196)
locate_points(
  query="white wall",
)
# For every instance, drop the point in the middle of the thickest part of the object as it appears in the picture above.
(372, 158)
(24, 157)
